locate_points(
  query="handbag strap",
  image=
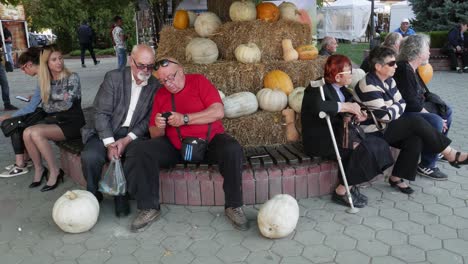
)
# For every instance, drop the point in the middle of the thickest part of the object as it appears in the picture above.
(178, 129)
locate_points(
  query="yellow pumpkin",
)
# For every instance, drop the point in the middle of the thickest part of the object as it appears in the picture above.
(426, 72)
(289, 53)
(307, 52)
(181, 19)
(278, 79)
(268, 12)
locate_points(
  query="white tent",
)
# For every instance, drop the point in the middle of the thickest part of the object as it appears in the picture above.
(398, 12)
(344, 19)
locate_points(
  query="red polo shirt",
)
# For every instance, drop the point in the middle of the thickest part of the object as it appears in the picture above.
(198, 94)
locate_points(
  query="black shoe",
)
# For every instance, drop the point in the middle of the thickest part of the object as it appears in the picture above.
(10, 107)
(433, 173)
(47, 188)
(343, 200)
(43, 176)
(394, 184)
(98, 196)
(356, 192)
(457, 162)
(465, 70)
(97, 62)
(83, 65)
(122, 206)
(459, 70)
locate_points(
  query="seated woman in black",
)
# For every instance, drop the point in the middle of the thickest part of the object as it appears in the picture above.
(367, 159)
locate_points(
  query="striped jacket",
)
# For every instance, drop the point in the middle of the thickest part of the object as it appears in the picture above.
(374, 93)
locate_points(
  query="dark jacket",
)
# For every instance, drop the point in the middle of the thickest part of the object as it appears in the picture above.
(85, 34)
(455, 39)
(409, 87)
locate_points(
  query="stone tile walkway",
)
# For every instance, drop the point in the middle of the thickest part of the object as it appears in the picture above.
(430, 226)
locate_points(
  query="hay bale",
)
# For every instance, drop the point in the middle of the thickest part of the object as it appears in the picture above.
(232, 77)
(259, 129)
(267, 36)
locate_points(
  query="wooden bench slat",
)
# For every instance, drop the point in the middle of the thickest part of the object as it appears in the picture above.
(279, 159)
(292, 159)
(300, 154)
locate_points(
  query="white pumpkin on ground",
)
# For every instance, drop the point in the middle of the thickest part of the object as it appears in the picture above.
(240, 104)
(272, 100)
(243, 11)
(278, 217)
(221, 94)
(358, 74)
(248, 53)
(201, 51)
(192, 17)
(76, 211)
(289, 11)
(295, 99)
(207, 23)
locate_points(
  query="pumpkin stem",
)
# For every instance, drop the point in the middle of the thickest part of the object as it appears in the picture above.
(71, 195)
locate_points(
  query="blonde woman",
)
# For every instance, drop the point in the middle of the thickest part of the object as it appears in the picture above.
(61, 100)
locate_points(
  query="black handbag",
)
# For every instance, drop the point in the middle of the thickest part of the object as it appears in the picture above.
(353, 134)
(193, 149)
(11, 125)
(432, 102)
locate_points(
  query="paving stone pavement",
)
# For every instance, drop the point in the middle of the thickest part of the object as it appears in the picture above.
(430, 226)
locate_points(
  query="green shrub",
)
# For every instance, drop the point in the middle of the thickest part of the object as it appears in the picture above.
(109, 51)
(438, 38)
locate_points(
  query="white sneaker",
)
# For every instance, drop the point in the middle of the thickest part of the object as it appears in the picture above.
(29, 164)
(15, 171)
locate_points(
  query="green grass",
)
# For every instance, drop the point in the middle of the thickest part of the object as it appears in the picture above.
(109, 51)
(354, 51)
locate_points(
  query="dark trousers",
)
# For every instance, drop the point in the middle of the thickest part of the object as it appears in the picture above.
(93, 158)
(454, 60)
(5, 86)
(412, 134)
(17, 142)
(145, 158)
(84, 47)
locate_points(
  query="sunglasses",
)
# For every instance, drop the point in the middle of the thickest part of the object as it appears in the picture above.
(390, 63)
(163, 63)
(143, 67)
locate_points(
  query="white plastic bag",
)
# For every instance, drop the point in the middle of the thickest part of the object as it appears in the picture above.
(113, 182)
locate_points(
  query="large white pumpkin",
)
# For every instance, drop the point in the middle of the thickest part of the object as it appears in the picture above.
(289, 11)
(76, 211)
(240, 104)
(248, 53)
(243, 11)
(201, 51)
(295, 99)
(192, 17)
(272, 100)
(358, 74)
(278, 216)
(207, 23)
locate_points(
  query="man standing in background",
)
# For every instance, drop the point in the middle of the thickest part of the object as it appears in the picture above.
(86, 36)
(8, 48)
(120, 47)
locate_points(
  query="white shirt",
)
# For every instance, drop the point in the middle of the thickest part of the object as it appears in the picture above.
(134, 96)
(117, 34)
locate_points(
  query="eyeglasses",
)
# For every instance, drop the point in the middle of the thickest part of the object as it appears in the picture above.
(169, 78)
(143, 67)
(345, 72)
(390, 63)
(163, 63)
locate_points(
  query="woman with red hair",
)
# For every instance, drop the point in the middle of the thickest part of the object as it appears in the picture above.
(363, 158)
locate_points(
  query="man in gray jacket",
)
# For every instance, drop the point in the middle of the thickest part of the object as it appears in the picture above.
(122, 108)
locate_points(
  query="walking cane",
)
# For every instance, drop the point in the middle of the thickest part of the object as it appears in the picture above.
(320, 83)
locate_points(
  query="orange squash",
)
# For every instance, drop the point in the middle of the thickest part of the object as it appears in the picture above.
(307, 52)
(268, 12)
(278, 79)
(426, 72)
(181, 19)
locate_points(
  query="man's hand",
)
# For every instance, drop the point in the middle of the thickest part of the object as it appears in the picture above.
(176, 119)
(160, 121)
(121, 144)
(458, 49)
(112, 152)
(444, 126)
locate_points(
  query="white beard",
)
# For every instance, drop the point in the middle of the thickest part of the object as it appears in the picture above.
(144, 77)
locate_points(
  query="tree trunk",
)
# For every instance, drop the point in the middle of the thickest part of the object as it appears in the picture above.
(220, 8)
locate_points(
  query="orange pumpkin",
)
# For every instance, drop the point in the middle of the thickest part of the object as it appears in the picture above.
(307, 52)
(268, 12)
(278, 79)
(426, 72)
(181, 19)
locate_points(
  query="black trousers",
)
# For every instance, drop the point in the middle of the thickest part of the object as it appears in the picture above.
(454, 60)
(145, 158)
(84, 47)
(93, 158)
(17, 142)
(412, 134)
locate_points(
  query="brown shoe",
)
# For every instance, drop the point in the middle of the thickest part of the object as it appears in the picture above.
(144, 219)
(237, 217)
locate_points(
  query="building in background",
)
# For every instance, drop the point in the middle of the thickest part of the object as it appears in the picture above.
(14, 18)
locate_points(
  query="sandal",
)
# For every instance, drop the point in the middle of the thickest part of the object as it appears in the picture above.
(456, 163)
(394, 184)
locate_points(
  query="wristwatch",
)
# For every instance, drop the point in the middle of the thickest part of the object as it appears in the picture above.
(186, 119)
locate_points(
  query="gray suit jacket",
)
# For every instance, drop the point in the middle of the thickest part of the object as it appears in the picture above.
(112, 102)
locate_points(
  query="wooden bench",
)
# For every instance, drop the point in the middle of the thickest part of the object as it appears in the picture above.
(267, 171)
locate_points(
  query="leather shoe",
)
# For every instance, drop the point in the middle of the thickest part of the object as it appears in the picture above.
(122, 206)
(343, 200)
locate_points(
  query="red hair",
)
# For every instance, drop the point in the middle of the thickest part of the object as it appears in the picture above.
(334, 65)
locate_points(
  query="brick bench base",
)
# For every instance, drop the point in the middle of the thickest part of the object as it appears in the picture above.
(203, 185)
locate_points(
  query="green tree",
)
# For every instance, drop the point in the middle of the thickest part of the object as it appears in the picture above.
(432, 15)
